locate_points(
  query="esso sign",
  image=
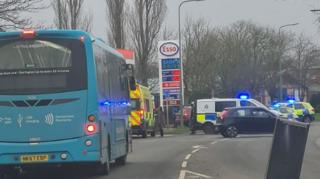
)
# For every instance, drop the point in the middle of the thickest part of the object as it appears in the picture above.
(169, 49)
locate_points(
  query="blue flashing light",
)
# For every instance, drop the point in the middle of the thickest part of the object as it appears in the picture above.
(244, 97)
(291, 101)
(276, 105)
(106, 103)
(115, 103)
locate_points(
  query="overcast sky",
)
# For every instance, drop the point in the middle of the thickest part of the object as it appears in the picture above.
(272, 13)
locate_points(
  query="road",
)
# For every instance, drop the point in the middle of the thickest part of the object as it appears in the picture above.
(195, 156)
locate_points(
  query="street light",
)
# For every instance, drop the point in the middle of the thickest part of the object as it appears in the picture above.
(181, 64)
(280, 65)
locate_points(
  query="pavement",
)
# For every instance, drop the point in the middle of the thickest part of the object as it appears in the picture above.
(197, 156)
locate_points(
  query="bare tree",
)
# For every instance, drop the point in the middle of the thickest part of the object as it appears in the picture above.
(69, 14)
(10, 11)
(145, 24)
(117, 21)
(168, 34)
(305, 55)
(199, 58)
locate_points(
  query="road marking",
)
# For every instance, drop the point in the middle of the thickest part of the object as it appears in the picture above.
(184, 164)
(214, 142)
(199, 147)
(223, 140)
(195, 150)
(184, 172)
(187, 157)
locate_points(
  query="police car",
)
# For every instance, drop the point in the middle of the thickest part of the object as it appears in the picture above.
(303, 110)
(209, 110)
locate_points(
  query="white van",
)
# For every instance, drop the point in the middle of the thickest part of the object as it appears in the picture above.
(208, 110)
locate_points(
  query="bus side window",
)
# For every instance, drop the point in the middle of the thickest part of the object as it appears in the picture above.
(122, 75)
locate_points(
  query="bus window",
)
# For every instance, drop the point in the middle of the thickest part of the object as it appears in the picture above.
(42, 66)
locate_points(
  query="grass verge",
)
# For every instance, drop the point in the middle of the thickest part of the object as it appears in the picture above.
(317, 116)
(178, 130)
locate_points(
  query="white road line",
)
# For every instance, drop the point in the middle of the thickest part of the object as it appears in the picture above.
(194, 151)
(184, 164)
(197, 174)
(196, 146)
(187, 157)
(223, 140)
(214, 142)
(182, 174)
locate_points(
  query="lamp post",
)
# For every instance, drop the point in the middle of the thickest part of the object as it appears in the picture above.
(280, 64)
(181, 61)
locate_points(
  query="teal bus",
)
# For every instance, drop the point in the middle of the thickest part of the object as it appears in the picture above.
(64, 99)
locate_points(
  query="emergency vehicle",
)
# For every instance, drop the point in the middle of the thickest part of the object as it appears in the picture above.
(209, 110)
(141, 118)
(303, 110)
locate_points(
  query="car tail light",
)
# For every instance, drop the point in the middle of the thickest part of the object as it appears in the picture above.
(91, 128)
(223, 115)
(91, 118)
(28, 34)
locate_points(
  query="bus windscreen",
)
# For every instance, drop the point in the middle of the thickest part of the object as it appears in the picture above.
(42, 66)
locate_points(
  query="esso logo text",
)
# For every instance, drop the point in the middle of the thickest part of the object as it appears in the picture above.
(169, 49)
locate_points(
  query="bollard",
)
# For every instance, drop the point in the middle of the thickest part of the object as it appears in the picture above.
(287, 151)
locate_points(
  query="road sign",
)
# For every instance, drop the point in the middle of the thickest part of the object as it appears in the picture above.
(170, 63)
(171, 78)
(171, 97)
(168, 49)
(169, 73)
(171, 102)
(171, 91)
(174, 84)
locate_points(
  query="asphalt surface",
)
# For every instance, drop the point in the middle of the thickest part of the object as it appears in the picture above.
(194, 156)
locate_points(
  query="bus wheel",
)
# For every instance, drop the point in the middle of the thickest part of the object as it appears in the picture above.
(103, 169)
(121, 160)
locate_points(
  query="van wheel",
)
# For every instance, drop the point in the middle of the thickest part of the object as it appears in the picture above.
(208, 128)
(153, 133)
(121, 160)
(144, 134)
(232, 131)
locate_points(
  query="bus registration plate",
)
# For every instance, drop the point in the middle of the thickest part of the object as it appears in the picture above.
(34, 158)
